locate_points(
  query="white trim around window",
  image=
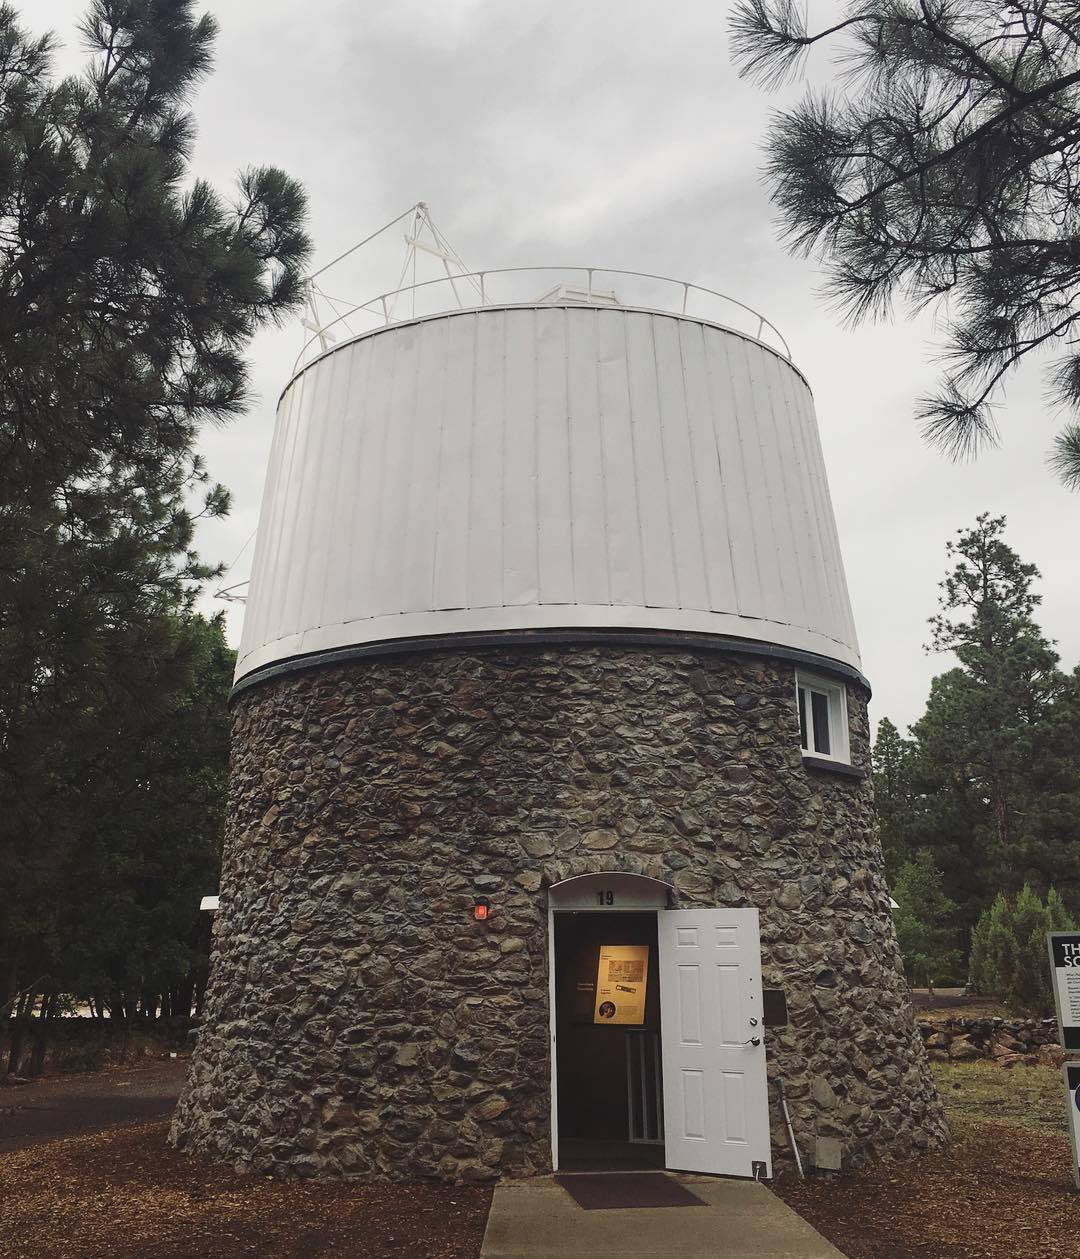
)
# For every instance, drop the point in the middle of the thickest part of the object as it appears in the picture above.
(823, 717)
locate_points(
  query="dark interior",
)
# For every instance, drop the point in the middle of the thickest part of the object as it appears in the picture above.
(592, 1065)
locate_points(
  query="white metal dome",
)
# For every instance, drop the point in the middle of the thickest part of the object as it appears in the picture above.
(544, 466)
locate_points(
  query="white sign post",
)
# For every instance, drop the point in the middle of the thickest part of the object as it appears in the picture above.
(1064, 947)
(1071, 1071)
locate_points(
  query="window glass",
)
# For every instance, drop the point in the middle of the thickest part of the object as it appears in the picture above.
(823, 728)
(820, 708)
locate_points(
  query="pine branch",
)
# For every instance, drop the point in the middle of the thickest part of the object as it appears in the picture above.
(1065, 457)
(946, 161)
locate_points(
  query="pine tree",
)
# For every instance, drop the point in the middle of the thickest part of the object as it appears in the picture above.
(1008, 954)
(979, 733)
(925, 921)
(891, 760)
(951, 813)
(1002, 949)
(941, 166)
(153, 792)
(128, 292)
(980, 972)
(1047, 849)
(1031, 980)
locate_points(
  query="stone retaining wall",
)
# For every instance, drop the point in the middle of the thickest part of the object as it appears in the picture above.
(360, 1022)
(1006, 1040)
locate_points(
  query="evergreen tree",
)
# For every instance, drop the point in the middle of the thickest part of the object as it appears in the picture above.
(981, 978)
(996, 964)
(990, 780)
(1008, 953)
(128, 292)
(1031, 980)
(891, 761)
(1047, 847)
(925, 921)
(975, 742)
(943, 167)
(153, 796)
(950, 807)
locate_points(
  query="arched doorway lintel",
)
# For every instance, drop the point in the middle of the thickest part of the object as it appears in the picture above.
(610, 889)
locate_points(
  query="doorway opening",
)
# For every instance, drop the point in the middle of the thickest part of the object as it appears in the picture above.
(607, 1041)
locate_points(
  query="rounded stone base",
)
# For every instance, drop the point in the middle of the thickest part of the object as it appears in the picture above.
(359, 1021)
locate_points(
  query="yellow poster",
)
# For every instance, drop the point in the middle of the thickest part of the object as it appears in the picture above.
(620, 983)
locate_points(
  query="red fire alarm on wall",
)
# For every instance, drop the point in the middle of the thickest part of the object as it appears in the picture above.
(482, 909)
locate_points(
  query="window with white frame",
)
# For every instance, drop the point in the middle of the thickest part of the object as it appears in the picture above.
(823, 723)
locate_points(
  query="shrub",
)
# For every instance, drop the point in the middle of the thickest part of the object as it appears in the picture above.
(79, 1058)
(1008, 950)
(924, 921)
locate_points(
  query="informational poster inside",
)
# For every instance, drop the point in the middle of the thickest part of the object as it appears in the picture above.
(1065, 967)
(1071, 1071)
(621, 977)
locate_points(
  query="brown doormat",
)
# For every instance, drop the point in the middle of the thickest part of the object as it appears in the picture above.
(616, 1191)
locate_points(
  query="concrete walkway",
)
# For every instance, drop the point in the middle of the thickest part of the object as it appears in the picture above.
(538, 1219)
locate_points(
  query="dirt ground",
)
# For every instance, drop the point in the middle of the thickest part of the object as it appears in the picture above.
(62, 1106)
(122, 1194)
(1002, 1190)
(946, 1003)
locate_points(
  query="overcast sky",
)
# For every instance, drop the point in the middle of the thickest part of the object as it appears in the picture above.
(611, 133)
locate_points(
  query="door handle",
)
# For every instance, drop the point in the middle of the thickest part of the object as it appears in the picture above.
(754, 1040)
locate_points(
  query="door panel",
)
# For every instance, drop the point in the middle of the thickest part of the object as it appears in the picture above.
(715, 1089)
(689, 1005)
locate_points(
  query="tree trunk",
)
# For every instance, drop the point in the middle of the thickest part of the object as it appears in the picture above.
(9, 980)
(128, 1008)
(42, 1025)
(998, 795)
(18, 1030)
(185, 997)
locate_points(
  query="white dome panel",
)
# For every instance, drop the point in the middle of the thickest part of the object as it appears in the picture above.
(541, 468)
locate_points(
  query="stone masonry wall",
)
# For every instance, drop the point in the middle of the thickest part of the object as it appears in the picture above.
(1006, 1041)
(360, 1022)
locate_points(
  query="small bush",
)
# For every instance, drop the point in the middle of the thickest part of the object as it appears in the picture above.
(1008, 950)
(79, 1058)
(924, 921)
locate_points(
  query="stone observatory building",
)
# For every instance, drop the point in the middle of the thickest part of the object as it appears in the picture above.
(551, 842)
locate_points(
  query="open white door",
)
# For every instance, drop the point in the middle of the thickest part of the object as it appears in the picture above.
(716, 1100)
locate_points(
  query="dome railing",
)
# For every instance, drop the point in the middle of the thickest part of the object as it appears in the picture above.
(503, 287)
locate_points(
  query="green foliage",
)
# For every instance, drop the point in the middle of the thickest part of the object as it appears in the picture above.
(1008, 950)
(1065, 456)
(129, 289)
(991, 776)
(940, 166)
(77, 1058)
(1047, 841)
(925, 923)
(891, 762)
(981, 973)
(153, 795)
